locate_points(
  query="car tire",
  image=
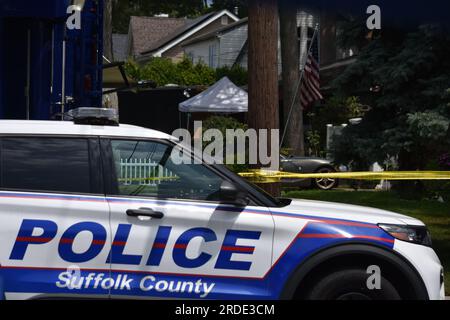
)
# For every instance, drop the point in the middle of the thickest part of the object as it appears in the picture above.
(325, 183)
(351, 284)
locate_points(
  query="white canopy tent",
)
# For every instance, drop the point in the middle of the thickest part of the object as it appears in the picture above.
(222, 97)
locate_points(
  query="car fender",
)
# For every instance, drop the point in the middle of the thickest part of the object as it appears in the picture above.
(316, 259)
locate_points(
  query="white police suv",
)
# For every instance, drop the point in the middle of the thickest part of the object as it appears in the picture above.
(101, 211)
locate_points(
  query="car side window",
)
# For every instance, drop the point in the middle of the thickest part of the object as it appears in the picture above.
(145, 168)
(45, 164)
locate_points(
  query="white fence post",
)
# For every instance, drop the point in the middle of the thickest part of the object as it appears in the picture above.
(142, 172)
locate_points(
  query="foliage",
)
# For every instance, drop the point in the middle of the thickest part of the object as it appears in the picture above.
(163, 71)
(351, 35)
(335, 110)
(242, 6)
(438, 189)
(353, 107)
(184, 73)
(351, 148)
(223, 123)
(124, 9)
(285, 151)
(313, 139)
(409, 116)
(237, 74)
(444, 161)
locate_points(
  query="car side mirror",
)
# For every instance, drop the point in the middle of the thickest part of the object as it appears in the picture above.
(230, 193)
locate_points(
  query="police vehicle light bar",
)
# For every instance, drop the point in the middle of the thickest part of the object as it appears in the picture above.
(94, 116)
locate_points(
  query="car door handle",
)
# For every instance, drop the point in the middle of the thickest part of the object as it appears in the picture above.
(145, 212)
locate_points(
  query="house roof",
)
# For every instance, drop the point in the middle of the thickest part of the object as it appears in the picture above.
(147, 31)
(119, 45)
(217, 32)
(190, 26)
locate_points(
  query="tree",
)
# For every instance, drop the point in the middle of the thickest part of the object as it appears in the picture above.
(230, 5)
(111, 99)
(107, 30)
(404, 77)
(291, 74)
(262, 69)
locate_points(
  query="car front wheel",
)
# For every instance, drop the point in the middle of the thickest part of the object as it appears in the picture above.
(351, 284)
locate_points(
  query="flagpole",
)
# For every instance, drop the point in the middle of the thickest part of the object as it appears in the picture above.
(298, 85)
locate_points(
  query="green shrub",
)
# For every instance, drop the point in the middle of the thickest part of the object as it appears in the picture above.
(163, 71)
(223, 123)
(184, 73)
(237, 74)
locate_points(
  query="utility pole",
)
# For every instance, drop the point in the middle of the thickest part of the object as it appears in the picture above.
(290, 53)
(110, 100)
(263, 70)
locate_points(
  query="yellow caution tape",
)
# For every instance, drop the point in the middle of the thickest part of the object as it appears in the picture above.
(276, 176)
(147, 179)
(267, 176)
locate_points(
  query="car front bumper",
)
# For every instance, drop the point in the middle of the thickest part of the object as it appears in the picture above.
(427, 264)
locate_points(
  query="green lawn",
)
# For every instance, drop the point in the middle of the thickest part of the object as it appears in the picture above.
(434, 214)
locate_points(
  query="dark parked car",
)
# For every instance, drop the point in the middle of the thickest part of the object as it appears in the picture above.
(308, 165)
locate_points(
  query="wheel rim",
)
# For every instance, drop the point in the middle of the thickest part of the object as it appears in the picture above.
(325, 183)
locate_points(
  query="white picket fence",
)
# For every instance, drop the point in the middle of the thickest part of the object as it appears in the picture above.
(143, 172)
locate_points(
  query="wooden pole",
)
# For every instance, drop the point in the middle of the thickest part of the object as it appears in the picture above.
(263, 70)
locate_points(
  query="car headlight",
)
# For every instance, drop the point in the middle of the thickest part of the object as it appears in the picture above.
(414, 234)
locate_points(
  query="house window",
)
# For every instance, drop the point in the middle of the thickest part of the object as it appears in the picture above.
(190, 56)
(224, 20)
(212, 55)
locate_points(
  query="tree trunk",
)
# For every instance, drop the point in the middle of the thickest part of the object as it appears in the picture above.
(110, 100)
(263, 70)
(107, 30)
(290, 53)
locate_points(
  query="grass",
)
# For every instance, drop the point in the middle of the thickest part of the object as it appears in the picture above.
(434, 214)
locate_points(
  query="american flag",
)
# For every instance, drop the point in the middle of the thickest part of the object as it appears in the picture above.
(310, 86)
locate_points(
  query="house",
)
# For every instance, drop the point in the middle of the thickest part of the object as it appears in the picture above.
(227, 46)
(119, 46)
(221, 47)
(162, 36)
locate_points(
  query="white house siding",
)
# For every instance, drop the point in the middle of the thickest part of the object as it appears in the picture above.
(304, 21)
(203, 52)
(243, 61)
(231, 43)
